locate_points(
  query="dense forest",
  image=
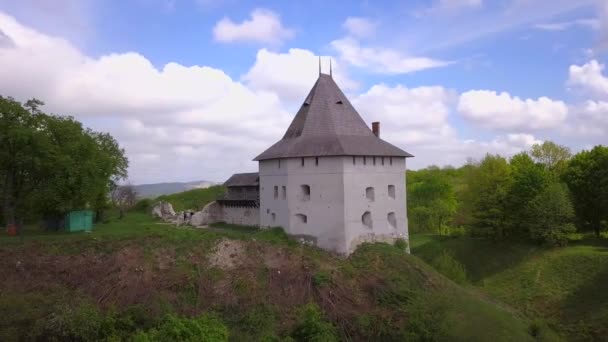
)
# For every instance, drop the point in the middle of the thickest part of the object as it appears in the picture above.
(543, 194)
(50, 165)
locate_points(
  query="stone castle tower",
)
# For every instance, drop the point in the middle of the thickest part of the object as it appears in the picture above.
(330, 179)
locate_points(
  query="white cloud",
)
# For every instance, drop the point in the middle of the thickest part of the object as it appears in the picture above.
(292, 74)
(417, 120)
(181, 122)
(359, 27)
(176, 122)
(382, 60)
(565, 25)
(401, 108)
(503, 111)
(590, 120)
(264, 26)
(589, 77)
(596, 114)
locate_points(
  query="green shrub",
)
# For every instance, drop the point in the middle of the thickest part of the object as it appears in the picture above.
(447, 265)
(259, 323)
(205, 328)
(312, 327)
(143, 205)
(401, 244)
(321, 279)
(76, 322)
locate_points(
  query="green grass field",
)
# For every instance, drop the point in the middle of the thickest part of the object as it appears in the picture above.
(565, 287)
(127, 274)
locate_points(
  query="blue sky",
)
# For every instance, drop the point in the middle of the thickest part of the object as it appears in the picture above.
(194, 89)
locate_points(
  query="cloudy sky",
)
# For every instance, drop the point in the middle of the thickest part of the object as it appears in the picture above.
(195, 89)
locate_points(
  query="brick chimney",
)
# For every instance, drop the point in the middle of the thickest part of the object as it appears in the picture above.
(376, 128)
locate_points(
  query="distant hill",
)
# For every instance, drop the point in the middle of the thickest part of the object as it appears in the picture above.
(158, 189)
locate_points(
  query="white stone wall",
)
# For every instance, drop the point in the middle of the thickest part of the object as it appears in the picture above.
(337, 199)
(358, 177)
(324, 210)
(272, 174)
(245, 216)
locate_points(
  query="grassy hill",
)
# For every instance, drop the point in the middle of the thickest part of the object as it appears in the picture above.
(136, 276)
(193, 199)
(566, 287)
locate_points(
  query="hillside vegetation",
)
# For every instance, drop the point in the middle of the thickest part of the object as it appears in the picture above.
(137, 279)
(194, 199)
(542, 195)
(565, 287)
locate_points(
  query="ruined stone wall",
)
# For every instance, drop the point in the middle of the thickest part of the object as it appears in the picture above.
(244, 216)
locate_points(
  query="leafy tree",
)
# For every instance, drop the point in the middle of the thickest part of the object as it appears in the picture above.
(431, 199)
(489, 186)
(587, 179)
(52, 164)
(528, 180)
(552, 155)
(24, 156)
(550, 215)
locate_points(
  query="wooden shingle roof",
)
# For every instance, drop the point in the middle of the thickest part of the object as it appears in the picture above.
(243, 179)
(328, 125)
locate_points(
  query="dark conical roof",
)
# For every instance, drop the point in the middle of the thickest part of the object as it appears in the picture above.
(328, 125)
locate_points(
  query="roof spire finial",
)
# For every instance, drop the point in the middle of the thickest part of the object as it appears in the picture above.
(330, 74)
(319, 65)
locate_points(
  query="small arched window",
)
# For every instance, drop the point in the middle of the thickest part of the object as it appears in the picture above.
(370, 194)
(366, 219)
(301, 218)
(276, 191)
(391, 191)
(392, 220)
(305, 192)
(284, 192)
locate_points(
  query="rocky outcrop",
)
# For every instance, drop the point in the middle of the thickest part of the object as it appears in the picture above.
(163, 210)
(211, 213)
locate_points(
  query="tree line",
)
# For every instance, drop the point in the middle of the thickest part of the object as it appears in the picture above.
(51, 164)
(543, 194)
